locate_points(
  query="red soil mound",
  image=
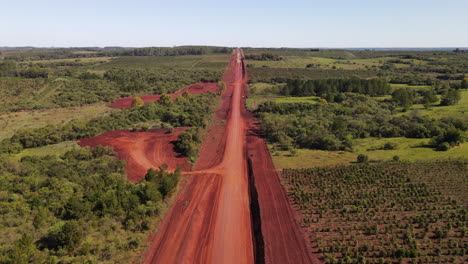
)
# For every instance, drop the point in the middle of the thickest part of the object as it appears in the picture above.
(126, 102)
(142, 150)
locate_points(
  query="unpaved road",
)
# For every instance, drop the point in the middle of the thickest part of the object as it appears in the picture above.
(210, 221)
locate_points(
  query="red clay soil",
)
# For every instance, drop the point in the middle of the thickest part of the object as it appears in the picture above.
(142, 149)
(210, 220)
(126, 102)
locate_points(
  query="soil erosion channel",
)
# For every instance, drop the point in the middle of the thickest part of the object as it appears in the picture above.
(218, 217)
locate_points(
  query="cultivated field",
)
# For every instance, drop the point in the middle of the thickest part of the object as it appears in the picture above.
(384, 213)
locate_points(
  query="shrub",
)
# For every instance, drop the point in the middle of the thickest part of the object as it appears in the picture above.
(451, 97)
(396, 158)
(453, 137)
(165, 99)
(390, 146)
(361, 158)
(137, 102)
(444, 146)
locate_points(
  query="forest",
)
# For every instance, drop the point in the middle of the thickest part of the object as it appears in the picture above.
(76, 208)
(333, 126)
(67, 53)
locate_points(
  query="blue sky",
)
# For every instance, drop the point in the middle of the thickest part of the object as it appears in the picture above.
(288, 23)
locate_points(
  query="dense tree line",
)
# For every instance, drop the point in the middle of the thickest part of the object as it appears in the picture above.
(81, 88)
(176, 51)
(264, 57)
(332, 126)
(186, 110)
(372, 87)
(69, 53)
(10, 69)
(75, 203)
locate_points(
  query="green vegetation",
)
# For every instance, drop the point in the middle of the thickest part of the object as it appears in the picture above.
(77, 208)
(384, 213)
(184, 111)
(137, 102)
(263, 57)
(330, 87)
(451, 97)
(399, 67)
(80, 53)
(188, 143)
(11, 122)
(334, 126)
(416, 95)
(68, 82)
(408, 149)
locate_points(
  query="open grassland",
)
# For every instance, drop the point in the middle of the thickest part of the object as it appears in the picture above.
(10, 122)
(54, 149)
(384, 213)
(332, 63)
(409, 149)
(212, 61)
(458, 110)
(263, 92)
(253, 101)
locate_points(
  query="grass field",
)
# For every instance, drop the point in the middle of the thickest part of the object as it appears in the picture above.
(54, 149)
(410, 149)
(402, 85)
(253, 101)
(10, 122)
(348, 63)
(458, 110)
(260, 94)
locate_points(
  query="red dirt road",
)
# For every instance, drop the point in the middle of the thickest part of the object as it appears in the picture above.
(126, 102)
(141, 150)
(210, 220)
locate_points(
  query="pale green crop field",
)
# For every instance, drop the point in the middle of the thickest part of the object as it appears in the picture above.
(410, 149)
(10, 122)
(54, 149)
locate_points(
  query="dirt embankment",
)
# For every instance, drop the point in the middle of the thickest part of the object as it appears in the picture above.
(142, 149)
(283, 239)
(126, 102)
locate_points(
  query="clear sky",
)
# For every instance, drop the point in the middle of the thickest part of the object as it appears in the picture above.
(271, 23)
